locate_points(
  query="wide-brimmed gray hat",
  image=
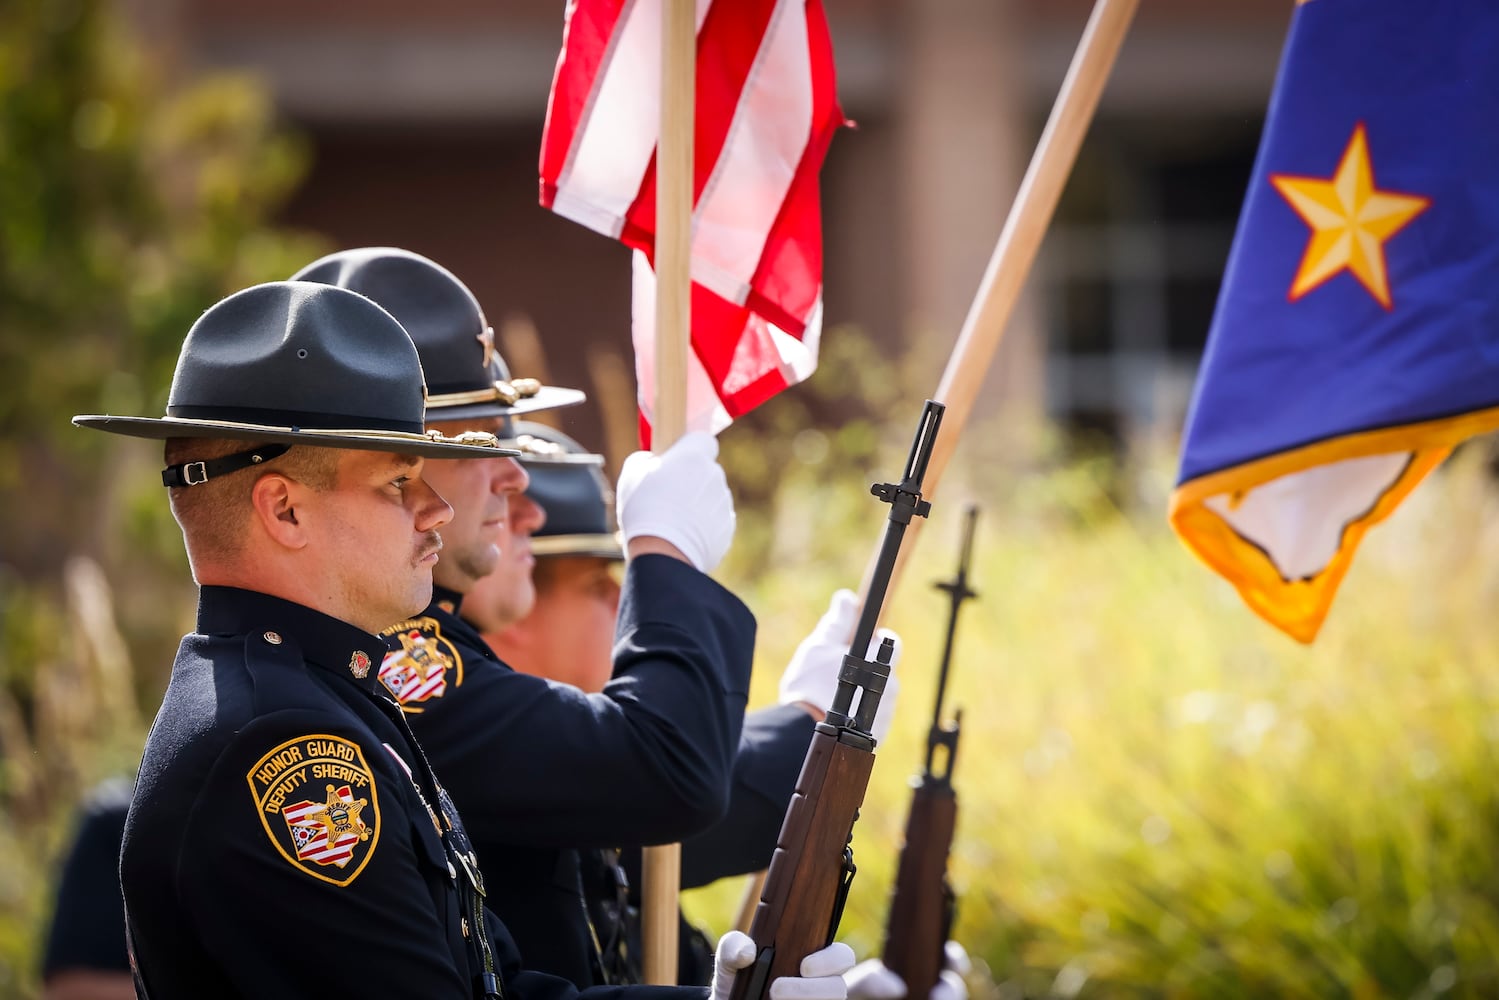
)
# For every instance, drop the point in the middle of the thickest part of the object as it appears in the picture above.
(567, 481)
(466, 377)
(293, 362)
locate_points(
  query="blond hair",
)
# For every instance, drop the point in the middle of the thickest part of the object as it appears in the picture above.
(214, 516)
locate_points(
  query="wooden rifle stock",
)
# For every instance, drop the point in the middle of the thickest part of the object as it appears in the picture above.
(922, 903)
(921, 906)
(813, 866)
(804, 890)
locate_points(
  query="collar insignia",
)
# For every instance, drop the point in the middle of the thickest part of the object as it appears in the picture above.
(359, 664)
(330, 838)
(421, 663)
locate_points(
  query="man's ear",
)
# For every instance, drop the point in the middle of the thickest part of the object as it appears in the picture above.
(278, 503)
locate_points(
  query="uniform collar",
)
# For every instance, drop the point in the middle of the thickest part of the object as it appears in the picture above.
(335, 645)
(448, 600)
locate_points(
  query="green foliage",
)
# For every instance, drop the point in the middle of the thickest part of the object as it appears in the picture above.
(130, 200)
(128, 203)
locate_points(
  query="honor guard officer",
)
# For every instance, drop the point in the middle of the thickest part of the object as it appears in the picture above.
(287, 837)
(567, 635)
(541, 769)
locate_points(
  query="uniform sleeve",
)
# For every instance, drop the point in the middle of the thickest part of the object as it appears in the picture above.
(523, 985)
(771, 753)
(536, 763)
(314, 879)
(88, 925)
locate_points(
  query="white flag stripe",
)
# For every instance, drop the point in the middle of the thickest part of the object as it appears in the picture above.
(800, 356)
(705, 411)
(617, 134)
(759, 159)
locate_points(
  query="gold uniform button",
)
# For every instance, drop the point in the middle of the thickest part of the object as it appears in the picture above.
(463, 925)
(273, 638)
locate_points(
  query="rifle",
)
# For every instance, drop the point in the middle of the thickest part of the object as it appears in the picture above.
(813, 864)
(922, 903)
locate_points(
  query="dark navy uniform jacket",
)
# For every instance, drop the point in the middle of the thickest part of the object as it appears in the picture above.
(540, 769)
(88, 925)
(287, 838)
(771, 751)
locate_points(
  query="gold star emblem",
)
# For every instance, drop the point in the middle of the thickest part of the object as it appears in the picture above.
(487, 339)
(340, 816)
(1350, 221)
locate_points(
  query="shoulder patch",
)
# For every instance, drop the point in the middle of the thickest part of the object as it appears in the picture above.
(316, 798)
(423, 666)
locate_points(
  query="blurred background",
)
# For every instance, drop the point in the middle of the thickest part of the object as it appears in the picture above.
(1161, 797)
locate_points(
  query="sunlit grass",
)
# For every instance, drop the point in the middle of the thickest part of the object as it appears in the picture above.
(1160, 794)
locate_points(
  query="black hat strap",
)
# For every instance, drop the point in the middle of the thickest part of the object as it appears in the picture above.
(197, 473)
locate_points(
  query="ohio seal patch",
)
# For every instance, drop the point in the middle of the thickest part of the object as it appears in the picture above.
(317, 802)
(424, 664)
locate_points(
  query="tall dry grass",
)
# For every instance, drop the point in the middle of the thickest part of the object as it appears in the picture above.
(1160, 795)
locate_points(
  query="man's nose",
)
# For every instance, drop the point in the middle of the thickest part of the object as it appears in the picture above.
(432, 510)
(510, 476)
(526, 514)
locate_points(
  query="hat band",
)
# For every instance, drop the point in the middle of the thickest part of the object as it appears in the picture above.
(295, 419)
(501, 391)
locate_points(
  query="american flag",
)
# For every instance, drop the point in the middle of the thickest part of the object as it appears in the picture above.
(766, 111)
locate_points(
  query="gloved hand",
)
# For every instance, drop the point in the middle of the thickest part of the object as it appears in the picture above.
(812, 674)
(681, 496)
(822, 972)
(871, 980)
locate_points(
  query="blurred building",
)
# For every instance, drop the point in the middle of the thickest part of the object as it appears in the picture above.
(426, 117)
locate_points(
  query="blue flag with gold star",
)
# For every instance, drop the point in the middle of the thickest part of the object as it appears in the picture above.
(1356, 336)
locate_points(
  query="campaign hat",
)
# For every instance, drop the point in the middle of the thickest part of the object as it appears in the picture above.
(466, 377)
(567, 481)
(295, 362)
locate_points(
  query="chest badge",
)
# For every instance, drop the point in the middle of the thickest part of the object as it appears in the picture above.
(421, 664)
(329, 832)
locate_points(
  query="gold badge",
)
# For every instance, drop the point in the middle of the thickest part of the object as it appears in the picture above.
(359, 664)
(424, 665)
(317, 803)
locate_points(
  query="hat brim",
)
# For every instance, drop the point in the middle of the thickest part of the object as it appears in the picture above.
(568, 458)
(601, 546)
(549, 397)
(397, 442)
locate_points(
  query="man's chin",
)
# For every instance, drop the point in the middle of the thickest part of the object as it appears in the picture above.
(460, 575)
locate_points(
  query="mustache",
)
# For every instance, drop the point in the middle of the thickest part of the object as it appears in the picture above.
(431, 544)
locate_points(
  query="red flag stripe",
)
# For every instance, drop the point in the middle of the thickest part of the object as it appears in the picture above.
(787, 286)
(586, 31)
(759, 160)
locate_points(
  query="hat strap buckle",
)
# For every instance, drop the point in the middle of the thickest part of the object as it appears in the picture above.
(199, 472)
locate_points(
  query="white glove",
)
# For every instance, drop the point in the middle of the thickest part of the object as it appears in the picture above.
(736, 950)
(680, 496)
(812, 674)
(872, 980)
(821, 976)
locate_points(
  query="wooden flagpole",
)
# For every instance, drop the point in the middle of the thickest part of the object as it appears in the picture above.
(661, 867)
(1014, 253)
(1020, 239)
